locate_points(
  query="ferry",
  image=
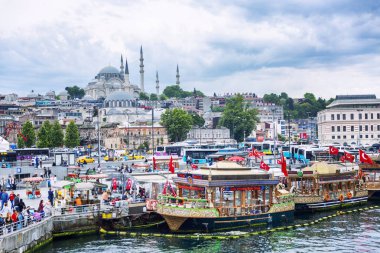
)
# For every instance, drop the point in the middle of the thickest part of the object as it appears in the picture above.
(325, 186)
(225, 196)
(371, 178)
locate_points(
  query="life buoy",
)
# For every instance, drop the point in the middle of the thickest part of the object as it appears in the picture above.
(327, 197)
(349, 195)
(341, 197)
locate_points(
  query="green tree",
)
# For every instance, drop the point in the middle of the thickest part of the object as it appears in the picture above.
(29, 134)
(20, 142)
(163, 97)
(177, 123)
(44, 135)
(72, 138)
(239, 118)
(173, 91)
(143, 96)
(153, 97)
(75, 92)
(197, 119)
(56, 135)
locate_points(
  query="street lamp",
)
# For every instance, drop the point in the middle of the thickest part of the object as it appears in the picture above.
(360, 117)
(274, 133)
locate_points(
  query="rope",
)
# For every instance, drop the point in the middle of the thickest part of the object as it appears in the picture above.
(229, 237)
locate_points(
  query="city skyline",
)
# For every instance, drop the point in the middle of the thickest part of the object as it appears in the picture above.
(248, 46)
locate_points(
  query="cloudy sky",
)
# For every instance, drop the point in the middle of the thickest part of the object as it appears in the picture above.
(326, 47)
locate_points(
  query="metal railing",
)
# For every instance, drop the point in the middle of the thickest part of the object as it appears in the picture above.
(84, 209)
(20, 225)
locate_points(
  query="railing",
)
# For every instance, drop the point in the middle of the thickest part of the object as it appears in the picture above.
(84, 209)
(19, 225)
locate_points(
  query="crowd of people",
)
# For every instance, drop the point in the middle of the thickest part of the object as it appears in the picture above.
(15, 215)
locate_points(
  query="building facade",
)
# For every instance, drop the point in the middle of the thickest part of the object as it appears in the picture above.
(350, 119)
(210, 135)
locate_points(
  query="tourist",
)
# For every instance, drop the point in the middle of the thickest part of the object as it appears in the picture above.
(51, 196)
(20, 218)
(14, 218)
(45, 172)
(4, 199)
(78, 200)
(2, 221)
(22, 205)
(41, 163)
(5, 209)
(54, 179)
(8, 221)
(12, 198)
(16, 202)
(48, 208)
(105, 197)
(41, 206)
(49, 172)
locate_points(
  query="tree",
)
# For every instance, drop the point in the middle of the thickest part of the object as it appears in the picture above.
(72, 138)
(197, 120)
(153, 97)
(239, 118)
(177, 123)
(75, 92)
(44, 135)
(163, 97)
(175, 91)
(20, 142)
(29, 134)
(56, 135)
(143, 96)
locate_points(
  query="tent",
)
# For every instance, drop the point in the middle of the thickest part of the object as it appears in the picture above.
(4, 144)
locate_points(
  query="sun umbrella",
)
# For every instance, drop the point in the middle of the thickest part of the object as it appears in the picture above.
(236, 159)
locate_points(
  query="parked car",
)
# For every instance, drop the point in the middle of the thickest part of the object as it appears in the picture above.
(88, 159)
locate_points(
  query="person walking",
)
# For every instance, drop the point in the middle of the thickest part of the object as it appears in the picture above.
(51, 196)
(16, 202)
(4, 199)
(45, 172)
(41, 163)
(11, 198)
(49, 172)
(22, 205)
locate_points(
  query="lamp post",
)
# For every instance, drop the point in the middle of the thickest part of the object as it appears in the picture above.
(274, 133)
(360, 117)
(98, 124)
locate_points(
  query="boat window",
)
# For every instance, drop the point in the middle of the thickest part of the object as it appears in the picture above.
(309, 155)
(285, 148)
(266, 146)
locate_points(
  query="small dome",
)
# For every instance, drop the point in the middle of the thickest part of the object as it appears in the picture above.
(109, 70)
(119, 96)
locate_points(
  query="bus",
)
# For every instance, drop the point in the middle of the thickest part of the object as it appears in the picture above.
(286, 151)
(170, 150)
(198, 155)
(29, 153)
(7, 158)
(254, 145)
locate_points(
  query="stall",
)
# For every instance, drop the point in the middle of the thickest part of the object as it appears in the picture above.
(63, 192)
(32, 184)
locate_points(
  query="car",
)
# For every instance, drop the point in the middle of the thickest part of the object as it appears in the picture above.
(85, 159)
(136, 157)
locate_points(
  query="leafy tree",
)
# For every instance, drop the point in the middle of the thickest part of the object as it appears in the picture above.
(239, 118)
(175, 91)
(20, 142)
(177, 123)
(163, 97)
(143, 96)
(153, 97)
(217, 108)
(271, 98)
(197, 120)
(75, 92)
(56, 135)
(29, 134)
(72, 138)
(44, 135)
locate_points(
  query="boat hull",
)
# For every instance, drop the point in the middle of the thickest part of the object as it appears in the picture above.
(215, 224)
(374, 195)
(332, 204)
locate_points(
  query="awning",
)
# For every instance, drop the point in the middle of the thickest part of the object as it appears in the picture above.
(62, 184)
(86, 186)
(33, 179)
(95, 176)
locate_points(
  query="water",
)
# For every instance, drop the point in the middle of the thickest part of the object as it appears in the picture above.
(356, 232)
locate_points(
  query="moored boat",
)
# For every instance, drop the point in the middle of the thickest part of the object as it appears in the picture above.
(224, 196)
(370, 176)
(325, 186)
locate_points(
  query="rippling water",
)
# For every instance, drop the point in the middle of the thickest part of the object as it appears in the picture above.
(356, 232)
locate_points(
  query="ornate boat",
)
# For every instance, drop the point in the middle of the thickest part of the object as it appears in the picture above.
(370, 176)
(225, 196)
(325, 186)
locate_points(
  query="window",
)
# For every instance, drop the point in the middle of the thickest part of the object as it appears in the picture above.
(338, 117)
(344, 137)
(371, 127)
(333, 137)
(366, 116)
(344, 128)
(338, 136)
(352, 137)
(371, 115)
(332, 129)
(366, 136)
(352, 128)
(360, 128)
(378, 116)
(332, 117)
(338, 128)
(372, 136)
(344, 116)
(360, 116)
(352, 116)
(378, 127)
(366, 128)
(361, 136)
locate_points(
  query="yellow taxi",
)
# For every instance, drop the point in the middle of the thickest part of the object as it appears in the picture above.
(87, 159)
(136, 157)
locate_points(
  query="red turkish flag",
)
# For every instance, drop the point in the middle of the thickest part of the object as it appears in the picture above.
(257, 153)
(282, 161)
(364, 158)
(333, 150)
(171, 165)
(154, 164)
(343, 158)
(349, 157)
(264, 166)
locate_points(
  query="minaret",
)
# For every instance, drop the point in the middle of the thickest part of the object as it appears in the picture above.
(141, 70)
(121, 66)
(126, 73)
(157, 85)
(177, 76)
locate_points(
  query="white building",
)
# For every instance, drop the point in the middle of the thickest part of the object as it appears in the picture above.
(351, 119)
(210, 135)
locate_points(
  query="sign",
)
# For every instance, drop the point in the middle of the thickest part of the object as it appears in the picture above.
(18, 170)
(303, 136)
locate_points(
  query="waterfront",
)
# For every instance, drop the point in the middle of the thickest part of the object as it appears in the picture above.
(355, 232)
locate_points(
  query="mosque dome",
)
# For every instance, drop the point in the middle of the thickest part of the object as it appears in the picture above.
(109, 70)
(119, 96)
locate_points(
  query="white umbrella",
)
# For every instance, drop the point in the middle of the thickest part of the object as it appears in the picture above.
(84, 186)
